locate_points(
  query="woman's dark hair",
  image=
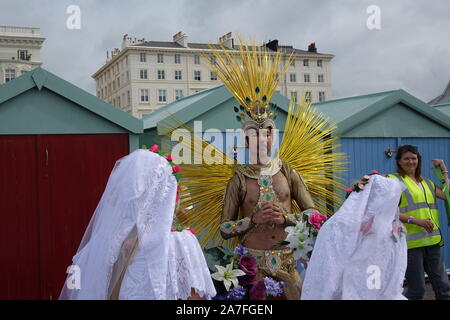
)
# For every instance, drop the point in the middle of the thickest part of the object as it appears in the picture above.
(409, 148)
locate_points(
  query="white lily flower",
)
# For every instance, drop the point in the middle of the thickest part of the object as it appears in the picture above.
(228, 275)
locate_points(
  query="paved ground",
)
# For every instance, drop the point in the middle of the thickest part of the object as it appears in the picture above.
(429, 293)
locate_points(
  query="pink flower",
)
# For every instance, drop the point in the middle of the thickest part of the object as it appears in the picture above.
(374, 171)
(258, 291)
(169, 157)
(348, 189)
(176, 169)
(383, 175)
(154, 148)
(250, 267)
(316, 219)
(191, 231)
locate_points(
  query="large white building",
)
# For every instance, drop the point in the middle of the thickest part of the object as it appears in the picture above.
(20, 51)
(143, 75)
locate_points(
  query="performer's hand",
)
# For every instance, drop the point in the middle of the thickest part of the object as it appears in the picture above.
(438, 162)
(277, 215)
(264, 214)
(426, 224)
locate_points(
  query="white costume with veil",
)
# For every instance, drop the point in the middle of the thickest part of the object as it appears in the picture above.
(356, 255)
(128, 250)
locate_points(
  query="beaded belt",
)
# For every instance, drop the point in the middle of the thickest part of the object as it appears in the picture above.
(273, 260)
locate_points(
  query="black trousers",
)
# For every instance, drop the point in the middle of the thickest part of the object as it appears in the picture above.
(426, 259)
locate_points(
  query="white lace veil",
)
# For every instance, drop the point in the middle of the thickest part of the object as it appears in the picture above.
(355, 255)
(136, 208)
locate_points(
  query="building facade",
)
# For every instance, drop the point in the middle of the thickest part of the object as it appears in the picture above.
(143, 76)
(20, 51)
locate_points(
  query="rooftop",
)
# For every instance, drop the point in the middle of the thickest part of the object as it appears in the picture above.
(442, 98)
(20, 31)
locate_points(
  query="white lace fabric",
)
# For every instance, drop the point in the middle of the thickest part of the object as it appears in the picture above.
(355, 256)
(137, 206)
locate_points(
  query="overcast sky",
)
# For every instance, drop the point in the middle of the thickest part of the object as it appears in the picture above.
(411, 51)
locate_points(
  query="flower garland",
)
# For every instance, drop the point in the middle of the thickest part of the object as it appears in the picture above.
(175, 169)
(360, 185)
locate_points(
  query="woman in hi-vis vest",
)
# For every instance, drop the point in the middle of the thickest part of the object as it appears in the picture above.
(419, 213)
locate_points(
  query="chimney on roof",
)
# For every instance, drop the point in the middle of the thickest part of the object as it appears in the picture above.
(227, 40)
(272, 45)
(181, 38)
(312, 47)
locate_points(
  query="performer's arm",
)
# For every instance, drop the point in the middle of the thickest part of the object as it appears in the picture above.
(301, 195)
(230, 227)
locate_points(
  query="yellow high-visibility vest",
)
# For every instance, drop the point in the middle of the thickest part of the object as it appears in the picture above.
(420, 204)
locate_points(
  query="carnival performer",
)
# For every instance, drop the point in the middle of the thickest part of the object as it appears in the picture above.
(131, 249)
(252, 203)
(360, 252)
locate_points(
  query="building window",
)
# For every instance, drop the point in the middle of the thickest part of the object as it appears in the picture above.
(294, 96)
(212, 59)
(126, 60)
(143, 74)
(306, 77)
(293, 77)
(178, 94)
(320, 78)
(319, 63)
(293, 63)
(197, 75)
(161, 75)
(178, 75)
(144, 95)
(308, 96)
(128, 75)
(321, 96)
(22, 54)
(306, 63)
(143, 57)
(10, 74)
(128, 97)
(213, 76)
(160, 58)
(162, 95)
(118, 83)
(177, 59)
(196, 59)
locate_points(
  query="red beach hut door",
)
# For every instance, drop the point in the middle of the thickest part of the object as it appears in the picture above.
(50, 186)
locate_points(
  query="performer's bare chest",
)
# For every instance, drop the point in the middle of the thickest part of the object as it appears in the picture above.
(280, 185)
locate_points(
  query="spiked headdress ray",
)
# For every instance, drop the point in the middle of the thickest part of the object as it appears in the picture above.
(251, 73)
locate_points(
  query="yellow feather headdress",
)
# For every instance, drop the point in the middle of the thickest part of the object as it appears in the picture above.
(251, 74)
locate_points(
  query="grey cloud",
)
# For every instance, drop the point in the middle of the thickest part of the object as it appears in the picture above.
(410, 51)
